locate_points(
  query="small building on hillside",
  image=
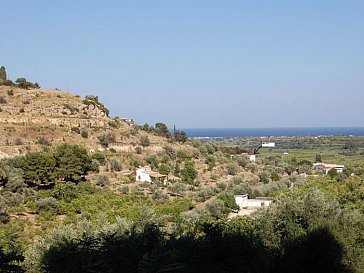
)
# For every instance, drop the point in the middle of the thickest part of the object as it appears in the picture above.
(145, 174)
(243, 201)
(326, 167)
(252, 157)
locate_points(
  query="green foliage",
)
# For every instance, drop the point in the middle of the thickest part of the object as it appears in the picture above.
(94, 166)
(232, 168)
(180, 136)
(152, 161)
(171, 152)
(47, 204)
(3, 77)
(39, 167)
(229, 200)
(115, 165)
(94, 100)
(265, 177)
(189, 173)
(23, 83)
(162, 130)
(72, 162)
(84, 134)
(102, 180)
(144, 141)
(100, 157)
(216, 208)
(66, 162)
(332, 173)
(106, 140)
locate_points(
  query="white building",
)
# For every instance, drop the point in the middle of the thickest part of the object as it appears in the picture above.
(145, 174)
(326, 167)
(252, 157)
(243, 201)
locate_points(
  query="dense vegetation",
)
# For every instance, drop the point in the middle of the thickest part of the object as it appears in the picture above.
(66, 209)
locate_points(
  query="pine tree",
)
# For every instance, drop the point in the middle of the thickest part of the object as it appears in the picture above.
(2, 75)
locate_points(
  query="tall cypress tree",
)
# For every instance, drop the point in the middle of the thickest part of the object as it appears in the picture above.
(2, 74)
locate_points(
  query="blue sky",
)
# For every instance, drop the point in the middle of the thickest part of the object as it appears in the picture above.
(196, 63)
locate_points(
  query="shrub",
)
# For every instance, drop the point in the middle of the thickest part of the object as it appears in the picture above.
(84, 134)
(102, 180)
(2, 100)
(232, 168)
(177, 187)
(44, 141)
(21, 110)
(100, 157)
(144, 141)
(138, 150)
(189, 172)
(216, 208)
(124, 189)
(264, 177)
(171, 152)
(46, 203)
(243, 161)
(76, 130)
(4, 215)
(19, 141)
(11, 92)
(229, 200)
(95, 166)
(115, 165)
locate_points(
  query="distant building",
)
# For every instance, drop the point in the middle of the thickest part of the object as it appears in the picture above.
(268, 144)
(145, 174)
(130, 121)
(243, 201)
(252, 157)
(325, 167)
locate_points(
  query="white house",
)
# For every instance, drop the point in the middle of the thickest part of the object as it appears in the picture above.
(145, 174)
(243, 201)
(252, 157)
(326, 167)
(268, 144)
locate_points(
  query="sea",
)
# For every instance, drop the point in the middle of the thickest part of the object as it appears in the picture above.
(261, 132)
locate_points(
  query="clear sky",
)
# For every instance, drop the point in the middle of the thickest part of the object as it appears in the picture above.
(196, 63)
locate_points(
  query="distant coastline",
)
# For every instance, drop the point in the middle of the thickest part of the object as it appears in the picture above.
(284, 131)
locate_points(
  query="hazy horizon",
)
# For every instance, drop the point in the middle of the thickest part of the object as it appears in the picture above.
(197, 64)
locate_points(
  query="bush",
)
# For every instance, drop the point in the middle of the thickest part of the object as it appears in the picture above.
(84, 134)
(243, 161)
(264, 177)
(144, 141)
(177, 187)
(189, 172)
(100, 157)
(44, 141)
(76, 130)
(115, 165)
(216, 208)
(102, 180)
(2, 100)
(229, 200)
(4, 215)
(46, 203)
(95, 166)
(232, 168)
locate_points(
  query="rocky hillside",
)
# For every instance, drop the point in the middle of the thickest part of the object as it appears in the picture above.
(30, 119)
